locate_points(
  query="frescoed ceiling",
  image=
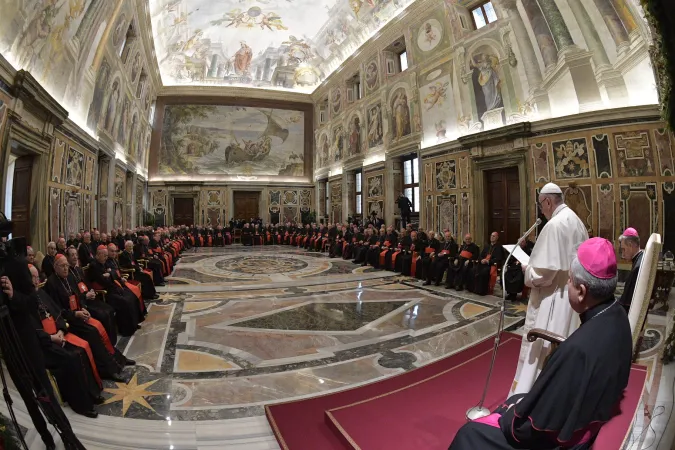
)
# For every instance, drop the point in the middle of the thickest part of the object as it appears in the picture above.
(269, 44)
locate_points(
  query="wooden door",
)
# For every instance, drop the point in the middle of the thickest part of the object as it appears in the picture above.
(23, 172)
(183, 211)
(246, 205)
(503, 204)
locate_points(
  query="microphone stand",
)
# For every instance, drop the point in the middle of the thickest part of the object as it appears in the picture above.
(479, 410)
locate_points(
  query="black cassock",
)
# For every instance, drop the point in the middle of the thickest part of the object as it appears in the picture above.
(123, 301)
(424, 264)
(629, 287)
(393, 244)
(440, 263)
(69, 364)
(404, 245)
(246, 238)
(579, 390)
(373, 253)
(418, 245)
(460, 273)
(514, 279)
(361, 252)
(127, 261)
(482, 271)
(98, 309)
(60, 290)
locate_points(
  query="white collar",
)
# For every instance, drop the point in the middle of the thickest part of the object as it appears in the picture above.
(558, 209)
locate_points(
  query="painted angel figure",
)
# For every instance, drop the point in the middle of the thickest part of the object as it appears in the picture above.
(429, 34)
(271, 20)
(437, 94)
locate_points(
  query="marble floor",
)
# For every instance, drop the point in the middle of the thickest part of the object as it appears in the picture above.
(236, 328)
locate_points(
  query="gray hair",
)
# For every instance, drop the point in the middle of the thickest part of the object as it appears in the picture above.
(633, 240)
(128, 242)
(557, 199)
(597, 288)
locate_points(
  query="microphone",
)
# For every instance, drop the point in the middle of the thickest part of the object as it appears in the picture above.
(479, 410)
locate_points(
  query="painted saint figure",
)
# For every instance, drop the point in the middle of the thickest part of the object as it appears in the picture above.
(487, 84)
(94, 114)
(355, 137)
(401, 115)
(112, 106)
(242, 59)
(375, 127)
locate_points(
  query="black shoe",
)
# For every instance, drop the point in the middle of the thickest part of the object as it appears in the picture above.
(437, 284)
(138, 327)
(427, 283)
(117, 377)
(161, 284)
(447, 286)
(91, 414)
(130, 362)
(99, 400)
(459, 288)
(155, 297)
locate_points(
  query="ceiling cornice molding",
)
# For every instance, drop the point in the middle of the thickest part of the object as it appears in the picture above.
(226, 91)
(382, 39)
(148, 42)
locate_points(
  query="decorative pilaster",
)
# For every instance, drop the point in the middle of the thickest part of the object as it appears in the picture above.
(614, 24)
(389, 197)
(561, 34)
(350, 194)
(623, 10)
(111, 196)
(321, 200)
(590, 34)
(542, 34)
(610, 81)
(527, 55)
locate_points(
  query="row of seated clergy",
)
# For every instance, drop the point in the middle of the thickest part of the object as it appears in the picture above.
(209, 236)
(76, 346)
(463, 266)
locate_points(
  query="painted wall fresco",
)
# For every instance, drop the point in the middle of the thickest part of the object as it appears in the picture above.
(87, 54)
(461, 81)
(374, 193)
(231, 140)
(287, 44)
(439, 112)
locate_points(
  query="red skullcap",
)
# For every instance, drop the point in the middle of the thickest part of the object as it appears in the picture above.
(101, 247)
(598, 258)
(59, 256)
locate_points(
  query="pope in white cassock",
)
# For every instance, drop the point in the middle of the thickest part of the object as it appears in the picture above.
(547, 273)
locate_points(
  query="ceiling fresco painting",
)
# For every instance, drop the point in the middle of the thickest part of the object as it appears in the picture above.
(270, 44)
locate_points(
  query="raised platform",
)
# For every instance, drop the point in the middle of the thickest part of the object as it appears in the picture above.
(303, 424)
(423, 408)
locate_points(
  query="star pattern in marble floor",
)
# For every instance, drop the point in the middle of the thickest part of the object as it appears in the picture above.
(131, 392)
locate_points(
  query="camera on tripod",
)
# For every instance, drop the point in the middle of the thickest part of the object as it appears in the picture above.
(12, 248)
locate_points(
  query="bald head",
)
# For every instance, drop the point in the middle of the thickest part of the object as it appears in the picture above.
(101, 254)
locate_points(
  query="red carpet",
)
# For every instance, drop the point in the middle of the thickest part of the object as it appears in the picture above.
(427, 414)
(615, 432)
(300, 425)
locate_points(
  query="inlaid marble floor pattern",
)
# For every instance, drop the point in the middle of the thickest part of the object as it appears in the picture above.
(237, 328)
